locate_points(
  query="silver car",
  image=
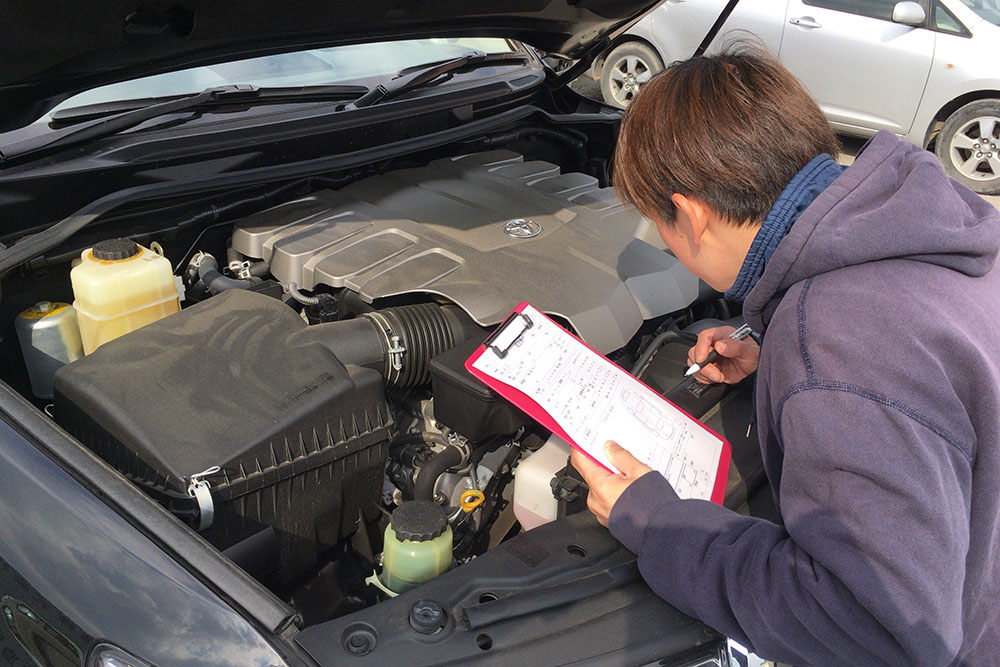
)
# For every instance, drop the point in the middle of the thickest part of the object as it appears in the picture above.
(926, 70)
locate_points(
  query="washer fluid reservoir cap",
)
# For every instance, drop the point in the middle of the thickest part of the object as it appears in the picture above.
(419, 520)
(115, 249)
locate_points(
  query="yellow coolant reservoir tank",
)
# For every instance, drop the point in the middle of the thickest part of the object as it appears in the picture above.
(120, 286)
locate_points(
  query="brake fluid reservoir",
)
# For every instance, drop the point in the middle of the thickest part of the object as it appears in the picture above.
(49, 338)
(418, 543)
(534, 503)
(120, 286)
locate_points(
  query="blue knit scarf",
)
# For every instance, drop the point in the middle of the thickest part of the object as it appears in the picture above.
(800, 192)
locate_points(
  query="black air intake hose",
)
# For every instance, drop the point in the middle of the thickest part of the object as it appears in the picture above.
(398, 342)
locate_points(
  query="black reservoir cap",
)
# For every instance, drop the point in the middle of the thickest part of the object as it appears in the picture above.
(419, 520)
(115, 249)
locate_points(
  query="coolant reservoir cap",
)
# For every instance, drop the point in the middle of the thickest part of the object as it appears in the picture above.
(419, 520)
(115, 249)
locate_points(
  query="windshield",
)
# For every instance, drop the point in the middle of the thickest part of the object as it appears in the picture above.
(333, 65)
(987, 9)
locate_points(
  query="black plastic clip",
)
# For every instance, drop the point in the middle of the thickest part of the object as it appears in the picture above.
(501, 340)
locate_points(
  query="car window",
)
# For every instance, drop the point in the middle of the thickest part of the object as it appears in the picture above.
(879, 9)
(944, 21)
(314, 67)
(987, 9)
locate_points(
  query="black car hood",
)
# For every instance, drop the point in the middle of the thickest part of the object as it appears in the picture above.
(51, 49)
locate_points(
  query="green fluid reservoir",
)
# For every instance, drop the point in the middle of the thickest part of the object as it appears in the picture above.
(418, 543)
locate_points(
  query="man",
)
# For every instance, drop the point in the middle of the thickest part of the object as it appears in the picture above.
(877, 292)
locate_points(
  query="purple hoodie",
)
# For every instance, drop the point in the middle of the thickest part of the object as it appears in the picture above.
(878, 404)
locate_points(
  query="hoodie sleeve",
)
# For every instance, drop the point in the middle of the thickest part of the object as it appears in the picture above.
(869, 566)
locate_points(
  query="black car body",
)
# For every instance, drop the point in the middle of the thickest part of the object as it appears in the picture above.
(100, 565)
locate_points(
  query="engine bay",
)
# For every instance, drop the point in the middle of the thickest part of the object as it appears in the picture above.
(310, 390)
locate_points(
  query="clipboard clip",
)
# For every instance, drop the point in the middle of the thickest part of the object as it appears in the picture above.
(508, 333)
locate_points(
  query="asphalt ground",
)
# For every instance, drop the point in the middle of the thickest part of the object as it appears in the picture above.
(587, 86)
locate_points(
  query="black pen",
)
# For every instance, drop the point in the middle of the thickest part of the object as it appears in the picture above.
(739, 334)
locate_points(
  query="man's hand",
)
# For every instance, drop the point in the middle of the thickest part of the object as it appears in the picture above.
(737, 358)
(606, 487)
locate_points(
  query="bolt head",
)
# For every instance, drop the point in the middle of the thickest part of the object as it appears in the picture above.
(360, 641)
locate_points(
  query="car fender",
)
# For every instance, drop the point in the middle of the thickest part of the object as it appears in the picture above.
(78, 573)
(963, 70)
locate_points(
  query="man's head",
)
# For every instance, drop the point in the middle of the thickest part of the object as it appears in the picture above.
(707, 147)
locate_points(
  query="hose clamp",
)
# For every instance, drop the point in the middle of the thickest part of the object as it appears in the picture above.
(393, 347)
(240, 269)
(461, 443)
(199, 489)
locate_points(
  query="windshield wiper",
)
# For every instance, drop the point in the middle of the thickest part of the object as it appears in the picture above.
(224, 95)
(421, 75)
(126, 114)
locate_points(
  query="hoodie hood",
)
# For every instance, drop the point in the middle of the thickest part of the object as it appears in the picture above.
(894, 202)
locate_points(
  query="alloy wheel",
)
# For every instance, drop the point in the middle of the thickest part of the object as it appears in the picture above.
(628, 74)
(973, 150)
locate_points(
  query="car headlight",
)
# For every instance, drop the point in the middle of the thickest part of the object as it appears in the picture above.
(109, 655)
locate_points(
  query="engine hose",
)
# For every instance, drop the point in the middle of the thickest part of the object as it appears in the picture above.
(574, 140)
(260, 269)
(208, 272)
(398, 342)
(423, 487)
(233, 255)
(413, 336)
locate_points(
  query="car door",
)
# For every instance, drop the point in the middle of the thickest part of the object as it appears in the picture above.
(677, 27)
(866, 72)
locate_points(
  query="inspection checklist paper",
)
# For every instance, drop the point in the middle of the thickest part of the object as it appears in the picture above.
(592, 401)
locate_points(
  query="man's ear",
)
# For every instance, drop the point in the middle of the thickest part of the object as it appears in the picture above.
(696, 211)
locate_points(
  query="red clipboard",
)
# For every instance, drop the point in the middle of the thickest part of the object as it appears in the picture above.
(528, 405)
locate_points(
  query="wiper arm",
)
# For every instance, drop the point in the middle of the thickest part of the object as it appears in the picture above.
(415, 77)
(130, 113)
(239, 92)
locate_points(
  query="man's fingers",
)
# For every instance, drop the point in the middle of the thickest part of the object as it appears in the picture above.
(709, 374)
(620, 458)
(702, 347)
(585, 466)
(596, 508)
(706, 341)
(734, 348)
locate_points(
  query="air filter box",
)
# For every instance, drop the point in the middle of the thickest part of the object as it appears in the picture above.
(239, 382)
(464, 403)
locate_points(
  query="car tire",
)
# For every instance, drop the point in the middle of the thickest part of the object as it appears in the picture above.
(968, 146)
(626, 69)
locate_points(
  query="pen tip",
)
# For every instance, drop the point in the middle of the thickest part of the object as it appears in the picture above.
(691, 371)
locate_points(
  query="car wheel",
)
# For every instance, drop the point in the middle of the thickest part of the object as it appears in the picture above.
(969, 146)
(626, 69)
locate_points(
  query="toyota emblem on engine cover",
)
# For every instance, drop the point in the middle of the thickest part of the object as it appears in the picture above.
(522, 229)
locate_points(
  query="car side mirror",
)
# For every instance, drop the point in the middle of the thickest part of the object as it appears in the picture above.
(909, 13)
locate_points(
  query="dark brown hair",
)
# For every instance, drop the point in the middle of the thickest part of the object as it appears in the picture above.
(729, 129)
